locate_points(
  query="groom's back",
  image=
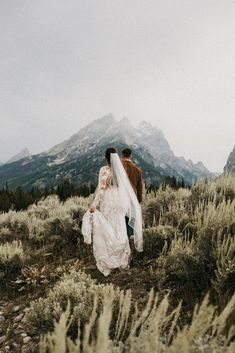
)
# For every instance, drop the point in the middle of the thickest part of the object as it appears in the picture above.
(135, 176)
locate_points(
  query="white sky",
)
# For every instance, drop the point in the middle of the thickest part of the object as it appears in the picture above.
(170, 62)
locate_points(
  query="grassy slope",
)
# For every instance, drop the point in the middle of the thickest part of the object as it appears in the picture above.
(189, 249)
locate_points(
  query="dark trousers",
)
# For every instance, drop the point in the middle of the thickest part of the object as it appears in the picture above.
(130, 230)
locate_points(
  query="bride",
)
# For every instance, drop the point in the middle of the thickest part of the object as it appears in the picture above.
(105, 220)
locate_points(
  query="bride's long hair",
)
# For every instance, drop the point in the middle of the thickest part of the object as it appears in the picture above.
(108, 154)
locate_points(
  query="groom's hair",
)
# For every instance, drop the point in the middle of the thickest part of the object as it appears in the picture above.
(126, 153)
(108, 154)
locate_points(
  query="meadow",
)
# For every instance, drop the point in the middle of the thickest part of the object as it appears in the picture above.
(178, 295)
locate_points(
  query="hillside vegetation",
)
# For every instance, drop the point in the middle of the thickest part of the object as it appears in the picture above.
(177, 296)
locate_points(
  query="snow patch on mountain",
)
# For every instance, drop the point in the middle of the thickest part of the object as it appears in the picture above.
(108, 131)
(80, 157)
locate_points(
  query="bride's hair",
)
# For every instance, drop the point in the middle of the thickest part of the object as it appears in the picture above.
(108, 154)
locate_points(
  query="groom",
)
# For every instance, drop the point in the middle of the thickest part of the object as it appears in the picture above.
(135, 176)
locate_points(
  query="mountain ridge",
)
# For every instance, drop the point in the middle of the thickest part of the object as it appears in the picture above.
(80, 156)
(229, 167)
(24, 153)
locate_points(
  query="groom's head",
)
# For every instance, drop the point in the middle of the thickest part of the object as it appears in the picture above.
(127, 153)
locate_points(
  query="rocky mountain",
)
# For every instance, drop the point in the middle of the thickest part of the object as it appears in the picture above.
(80, 157)
(230, 165)
(24, 153)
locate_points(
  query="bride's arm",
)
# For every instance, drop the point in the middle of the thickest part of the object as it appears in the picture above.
(100, 189)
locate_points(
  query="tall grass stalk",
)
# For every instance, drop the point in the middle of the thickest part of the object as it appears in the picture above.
(9, 250)
(155, 329)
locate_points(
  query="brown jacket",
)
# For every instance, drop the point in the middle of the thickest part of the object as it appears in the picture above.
(135, 176)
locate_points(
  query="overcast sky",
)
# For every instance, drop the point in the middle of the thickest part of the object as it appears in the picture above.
(170, 62)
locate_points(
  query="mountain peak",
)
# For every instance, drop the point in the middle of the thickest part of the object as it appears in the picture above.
(24, 153)
(147, 128)
(145, 125)
(108, 118)
(202, 167)
(124, 122)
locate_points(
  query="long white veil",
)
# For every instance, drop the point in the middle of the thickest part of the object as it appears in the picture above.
(128, 199)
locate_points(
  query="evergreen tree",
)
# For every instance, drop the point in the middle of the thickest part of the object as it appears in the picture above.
(65, 190)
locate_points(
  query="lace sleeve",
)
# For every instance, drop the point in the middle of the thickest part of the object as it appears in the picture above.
(102, 184)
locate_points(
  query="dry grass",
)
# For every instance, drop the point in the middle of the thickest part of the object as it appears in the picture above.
(154, 329)
(10, 250)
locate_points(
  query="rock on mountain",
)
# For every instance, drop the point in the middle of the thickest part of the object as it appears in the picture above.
(155, 142)
(230, 165)
(24, 153)
(80, 157)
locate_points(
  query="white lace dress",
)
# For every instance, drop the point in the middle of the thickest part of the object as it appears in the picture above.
(110, 242)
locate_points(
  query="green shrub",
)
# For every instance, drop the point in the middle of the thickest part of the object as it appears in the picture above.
(77, 288)
(6, 235)
(224, 282)
(182, 271)
(11, 258)
(156, 238)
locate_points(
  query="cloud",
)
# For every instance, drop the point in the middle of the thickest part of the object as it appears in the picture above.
(64, 64)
